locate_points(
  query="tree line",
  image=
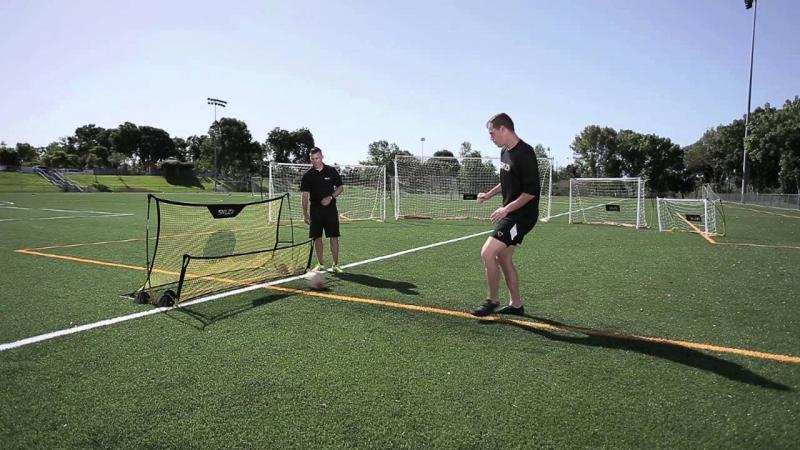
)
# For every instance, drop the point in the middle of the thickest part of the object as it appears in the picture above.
(229, 147)
(772, 143)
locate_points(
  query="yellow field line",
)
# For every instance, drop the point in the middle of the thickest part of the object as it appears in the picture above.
(745, 244)
(698, 230)
(464, 315)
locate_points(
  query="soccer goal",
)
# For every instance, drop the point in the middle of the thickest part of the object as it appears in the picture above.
(364, 196)
(607, 201)
(447, 187)
(709, 193)
(204, 248)
(699, 215)
(259, 187)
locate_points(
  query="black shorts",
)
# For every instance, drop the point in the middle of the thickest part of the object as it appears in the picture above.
(511, 230)
(326, 219)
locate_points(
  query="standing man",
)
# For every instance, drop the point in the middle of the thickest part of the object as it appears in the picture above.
(520, 186)
(320, 186)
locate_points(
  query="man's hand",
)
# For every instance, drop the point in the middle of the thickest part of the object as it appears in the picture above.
(327, 200)
(306, 219)
(482, 197)
(499, 214)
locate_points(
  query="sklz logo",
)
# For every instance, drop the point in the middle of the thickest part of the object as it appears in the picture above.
(225, 211)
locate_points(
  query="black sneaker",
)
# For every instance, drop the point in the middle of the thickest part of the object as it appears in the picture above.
(486, 308)
(508, 309)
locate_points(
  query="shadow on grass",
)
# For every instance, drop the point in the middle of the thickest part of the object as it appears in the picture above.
(665, 350)
(203, 315)
(402, 287)
(185, 180)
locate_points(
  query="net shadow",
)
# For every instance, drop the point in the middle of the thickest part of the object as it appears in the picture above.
(203, 315)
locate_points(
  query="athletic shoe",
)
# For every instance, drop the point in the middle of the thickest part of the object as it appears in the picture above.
(486, 308)
(318, 268)
(336, 269)
(508, 309)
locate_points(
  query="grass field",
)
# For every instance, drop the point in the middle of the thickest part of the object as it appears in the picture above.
(24, 182)
(633, 339)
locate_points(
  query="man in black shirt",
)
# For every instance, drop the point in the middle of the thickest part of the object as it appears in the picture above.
(520, 187)
(320, 186)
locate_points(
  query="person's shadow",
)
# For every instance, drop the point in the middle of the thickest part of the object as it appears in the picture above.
(402, 287)
(666, 350)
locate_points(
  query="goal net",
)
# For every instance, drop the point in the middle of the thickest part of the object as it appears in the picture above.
(447, 187)
(607, 201)
(708, 192)
(702, 216)
(204, 248)
(364, 196)
(259, 187)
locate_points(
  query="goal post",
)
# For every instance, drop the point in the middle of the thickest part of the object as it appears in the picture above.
(607, 201)
(701, 215)
(439, 187)
(364, 196)
(206, 248)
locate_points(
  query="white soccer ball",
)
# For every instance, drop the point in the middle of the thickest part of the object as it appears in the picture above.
(315, 280)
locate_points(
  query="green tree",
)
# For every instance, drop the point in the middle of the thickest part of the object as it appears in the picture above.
(181, 148)
(26, 152)
(125, 139)
(237, 153)
(200, 151)
(541, 151)
(9, 156)
(595, 152)
(774, 145)
(155, 145)
(289, 146)
(382, 153)
(664, 168)
(466, 151)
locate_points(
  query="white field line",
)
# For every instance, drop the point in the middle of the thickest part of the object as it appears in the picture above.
(93, 213)
(96, 216)
(150, 312)
(761, 211)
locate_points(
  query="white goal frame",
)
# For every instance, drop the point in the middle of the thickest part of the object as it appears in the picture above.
(442, 187)
(678, 214)
(601, 201)
(364, 196)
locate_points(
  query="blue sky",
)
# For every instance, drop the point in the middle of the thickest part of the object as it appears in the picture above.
(357, 71)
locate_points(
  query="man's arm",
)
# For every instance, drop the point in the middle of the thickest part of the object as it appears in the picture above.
(482, 197)
(503, 211)
(304, 202)
(337, 192)
(519, 202)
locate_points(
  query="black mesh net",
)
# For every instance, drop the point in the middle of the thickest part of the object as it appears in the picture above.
(203, 248)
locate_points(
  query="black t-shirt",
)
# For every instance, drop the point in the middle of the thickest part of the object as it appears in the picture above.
(519, 172)
(320, 184)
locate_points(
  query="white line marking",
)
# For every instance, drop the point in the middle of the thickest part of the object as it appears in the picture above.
(99, 216)
(107, 322)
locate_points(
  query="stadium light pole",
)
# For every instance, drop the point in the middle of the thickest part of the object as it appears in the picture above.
(216, 102)
(747, 5)
(422, 147)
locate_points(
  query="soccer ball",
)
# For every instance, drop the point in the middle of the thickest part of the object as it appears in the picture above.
(315, 280)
